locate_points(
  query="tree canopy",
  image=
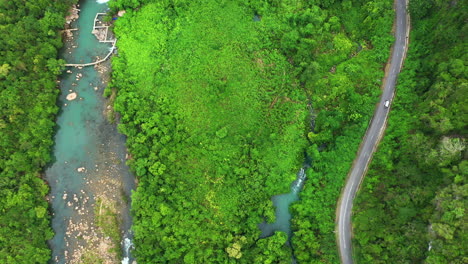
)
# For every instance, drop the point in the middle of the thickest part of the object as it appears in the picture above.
(217, 101)
(29, 40)
(411, 207)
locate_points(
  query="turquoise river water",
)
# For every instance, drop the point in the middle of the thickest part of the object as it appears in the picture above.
(88, 172)
(89, 159)
(282, 203)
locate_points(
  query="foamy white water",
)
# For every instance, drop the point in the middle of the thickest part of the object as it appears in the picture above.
(127, 245)
(102, 1)
(299, 183)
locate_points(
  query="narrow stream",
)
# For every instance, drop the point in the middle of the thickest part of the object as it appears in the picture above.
(282, 203)
(90, 185)
(282, 213)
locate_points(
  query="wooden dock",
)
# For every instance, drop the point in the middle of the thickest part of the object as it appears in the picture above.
(93, 63)
(100, 30)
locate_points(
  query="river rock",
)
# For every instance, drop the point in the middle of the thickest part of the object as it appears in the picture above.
(73, 14)
(71, 96)
(81, 169)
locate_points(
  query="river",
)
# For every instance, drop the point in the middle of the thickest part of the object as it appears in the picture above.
(281, 203)
(90, 185)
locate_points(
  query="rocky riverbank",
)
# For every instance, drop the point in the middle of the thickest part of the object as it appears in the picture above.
(90, 183)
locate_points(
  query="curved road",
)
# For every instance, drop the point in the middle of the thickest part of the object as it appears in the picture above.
(373, 134)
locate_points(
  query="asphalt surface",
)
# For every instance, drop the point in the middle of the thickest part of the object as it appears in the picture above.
(373, 134)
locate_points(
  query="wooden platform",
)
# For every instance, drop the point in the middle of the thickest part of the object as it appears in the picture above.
(100, 30)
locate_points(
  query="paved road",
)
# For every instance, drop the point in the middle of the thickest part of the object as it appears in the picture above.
(373, 134)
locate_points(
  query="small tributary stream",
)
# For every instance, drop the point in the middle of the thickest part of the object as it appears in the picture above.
(282, 203)
(90, 185)
(282, 214)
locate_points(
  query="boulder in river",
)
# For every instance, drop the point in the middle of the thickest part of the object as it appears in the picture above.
(71, 96)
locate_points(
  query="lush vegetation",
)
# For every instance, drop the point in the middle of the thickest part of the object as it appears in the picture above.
(412, 205)
(220, 100)
(208, 109)
(342, 76)
(29, 40)
(217, 109)
(108, 222)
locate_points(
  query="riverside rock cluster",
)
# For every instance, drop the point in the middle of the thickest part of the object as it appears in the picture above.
(73, 14)
(102, 191)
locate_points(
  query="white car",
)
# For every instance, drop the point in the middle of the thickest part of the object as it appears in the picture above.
(387, 103)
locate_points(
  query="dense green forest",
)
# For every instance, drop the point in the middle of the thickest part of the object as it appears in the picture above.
(199, 97)
(217, 98)
(29, 40)
(415, 195)
(220, 100)
(343, 83)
